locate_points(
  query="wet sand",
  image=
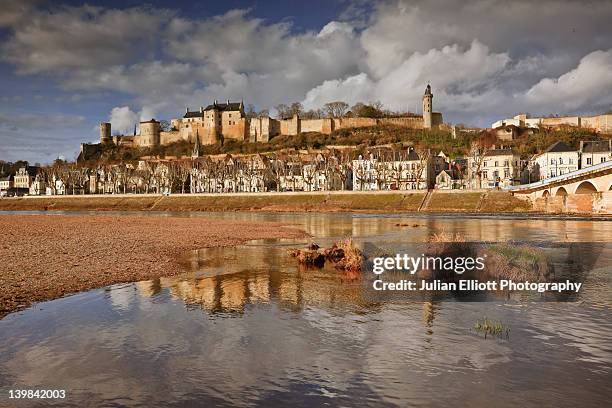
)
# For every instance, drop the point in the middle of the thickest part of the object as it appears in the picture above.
(43, 257)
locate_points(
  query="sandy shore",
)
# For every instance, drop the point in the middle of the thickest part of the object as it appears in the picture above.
(43, 257)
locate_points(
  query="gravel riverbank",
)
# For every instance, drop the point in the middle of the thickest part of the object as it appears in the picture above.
(43, 257)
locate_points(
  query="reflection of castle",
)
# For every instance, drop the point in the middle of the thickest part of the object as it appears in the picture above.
(222, 121)
(280, 281)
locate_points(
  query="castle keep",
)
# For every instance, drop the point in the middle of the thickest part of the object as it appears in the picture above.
(227, 121)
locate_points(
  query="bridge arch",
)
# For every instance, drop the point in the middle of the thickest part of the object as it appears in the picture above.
(561, 192)
(545, 194)
(586, 187)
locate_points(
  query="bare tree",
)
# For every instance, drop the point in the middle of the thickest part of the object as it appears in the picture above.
(478, 151)
(422, 166)
(182, 170)
(336, 109)
(283, 111)
(296, 108)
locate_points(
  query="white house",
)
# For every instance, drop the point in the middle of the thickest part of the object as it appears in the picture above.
(6, 183)
(557, 160)
(595, 152)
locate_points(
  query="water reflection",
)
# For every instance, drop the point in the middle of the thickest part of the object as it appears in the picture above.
(246, 326)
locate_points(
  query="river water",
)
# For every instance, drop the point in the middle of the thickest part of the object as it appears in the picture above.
(246, 326)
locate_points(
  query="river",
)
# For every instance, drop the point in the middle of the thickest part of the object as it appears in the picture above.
(246, 326)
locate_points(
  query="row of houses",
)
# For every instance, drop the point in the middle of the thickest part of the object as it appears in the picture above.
(560, 158)
(380, 168)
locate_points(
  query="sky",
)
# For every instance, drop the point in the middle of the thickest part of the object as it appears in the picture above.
(67, 66)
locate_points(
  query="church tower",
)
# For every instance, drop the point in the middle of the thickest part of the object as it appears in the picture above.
(427, 108)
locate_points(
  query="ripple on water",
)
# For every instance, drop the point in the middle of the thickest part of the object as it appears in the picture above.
(247, 327)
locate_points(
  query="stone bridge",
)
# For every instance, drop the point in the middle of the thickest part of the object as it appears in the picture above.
(587, 190)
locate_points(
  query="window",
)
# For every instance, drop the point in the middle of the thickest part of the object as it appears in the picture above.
(552, 161)
(570, 160)
(506, 163)
(496, 163)
(560, 160)
(485, 175)
(603, 159)
(484, 164)
(589, 161)
(506, 173)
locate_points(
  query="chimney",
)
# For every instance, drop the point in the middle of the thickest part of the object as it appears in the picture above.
(215, 102)
(201, 109)
(228, 101)
(186, 109)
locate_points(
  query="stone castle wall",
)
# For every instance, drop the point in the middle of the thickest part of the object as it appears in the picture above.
(290, 127)
(567, 120)
(410, 122)
(262, 129)
(235, 129)
(601, 123)
(166, 138)
(346, 123)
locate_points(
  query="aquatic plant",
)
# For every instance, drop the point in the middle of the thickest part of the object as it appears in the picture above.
(492, 328)
(505, 261)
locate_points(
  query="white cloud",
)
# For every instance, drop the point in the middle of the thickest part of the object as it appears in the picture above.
(589, 84)
(484, 58)
(123, 119)
(452, 70)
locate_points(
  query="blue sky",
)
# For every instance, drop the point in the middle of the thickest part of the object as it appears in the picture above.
(66, 66)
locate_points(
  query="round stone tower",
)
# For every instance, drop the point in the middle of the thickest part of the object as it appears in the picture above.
(105, 133)
(427, 108)
(150, 132)
(215, 123)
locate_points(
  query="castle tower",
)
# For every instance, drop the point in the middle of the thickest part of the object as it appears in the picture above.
(105, 133)
(215, 123)
(427, 108)
(150, 132)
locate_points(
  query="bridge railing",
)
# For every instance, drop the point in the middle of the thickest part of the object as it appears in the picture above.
(563, 177)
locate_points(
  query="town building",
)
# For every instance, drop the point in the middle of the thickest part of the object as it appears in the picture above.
(6, 184)
(24, 178)
(557, 160)
(410, 172)
(595, 152)
(449, 179)
(497, 168)
(38, 186)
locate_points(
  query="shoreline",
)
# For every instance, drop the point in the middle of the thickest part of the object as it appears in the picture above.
(45, 258)
(417, 201)
(442, 202)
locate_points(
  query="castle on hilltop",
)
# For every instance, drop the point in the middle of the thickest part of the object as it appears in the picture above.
(228, 121)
